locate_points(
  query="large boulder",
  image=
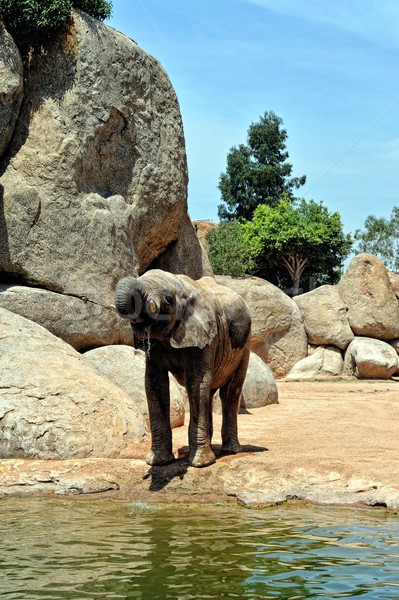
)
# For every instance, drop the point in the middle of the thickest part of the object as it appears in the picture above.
(368, 358)
(95, 180)
(278, 333)
(53, 405)
(125, 367)
(325, 317)
(11, 87)
(373, 308)
(80, 322)
(323, 362)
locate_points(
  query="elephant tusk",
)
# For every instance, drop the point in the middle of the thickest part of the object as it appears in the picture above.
(152, 307)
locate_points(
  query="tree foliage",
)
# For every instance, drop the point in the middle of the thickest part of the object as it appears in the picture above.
(32, 21)
(257, 172)
(229, 253)
(381, 238)
(297, 236)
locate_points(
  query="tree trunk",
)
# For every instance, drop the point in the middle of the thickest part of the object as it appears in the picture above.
(295, 266)
(295, 283)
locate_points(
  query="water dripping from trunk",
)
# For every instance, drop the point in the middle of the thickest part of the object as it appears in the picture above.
(148, 345)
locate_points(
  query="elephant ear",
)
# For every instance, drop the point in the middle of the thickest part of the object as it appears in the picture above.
(197, 322)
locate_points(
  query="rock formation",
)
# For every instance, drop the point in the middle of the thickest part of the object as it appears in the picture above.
(53, 404)
(94, 181)
(93, 187)
(278, 333)
(361, 309)
(325, 317)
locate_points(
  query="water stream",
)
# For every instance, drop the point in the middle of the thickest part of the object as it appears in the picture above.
(57, 549)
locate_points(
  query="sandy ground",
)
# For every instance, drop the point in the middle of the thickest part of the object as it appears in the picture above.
(331, 442)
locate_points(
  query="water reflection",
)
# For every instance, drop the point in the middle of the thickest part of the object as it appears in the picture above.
(78, 550)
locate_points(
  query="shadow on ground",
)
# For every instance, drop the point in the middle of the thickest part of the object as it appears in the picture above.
(163, 475)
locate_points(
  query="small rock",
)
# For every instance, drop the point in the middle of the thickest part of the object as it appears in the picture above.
(84, 485)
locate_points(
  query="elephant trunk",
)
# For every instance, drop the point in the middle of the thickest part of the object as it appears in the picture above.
(129, 298)
(132, 301)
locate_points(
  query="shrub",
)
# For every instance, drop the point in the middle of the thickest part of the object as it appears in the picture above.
(228, 251)
(32, 21)
(99, 9)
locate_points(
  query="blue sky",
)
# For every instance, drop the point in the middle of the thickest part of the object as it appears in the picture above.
(329, 69)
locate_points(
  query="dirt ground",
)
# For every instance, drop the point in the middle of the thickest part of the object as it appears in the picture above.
(332, 442)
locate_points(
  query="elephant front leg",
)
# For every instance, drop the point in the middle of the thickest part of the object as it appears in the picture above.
(200, 427)
(158, 399)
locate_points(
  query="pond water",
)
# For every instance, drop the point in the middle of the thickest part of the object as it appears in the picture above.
(58, 549)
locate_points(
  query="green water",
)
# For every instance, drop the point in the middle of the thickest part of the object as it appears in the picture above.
(79, 550)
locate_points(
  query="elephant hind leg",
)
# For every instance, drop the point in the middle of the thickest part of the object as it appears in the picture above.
(230, 395)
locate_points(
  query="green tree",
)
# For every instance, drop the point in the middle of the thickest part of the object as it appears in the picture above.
(229, 254)
(296, 237)
(381, 238)
(258, 172)
(32, 21)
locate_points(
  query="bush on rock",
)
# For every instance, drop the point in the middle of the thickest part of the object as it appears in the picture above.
(34, 20)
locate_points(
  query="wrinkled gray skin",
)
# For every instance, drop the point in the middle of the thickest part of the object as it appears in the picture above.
(199, 331)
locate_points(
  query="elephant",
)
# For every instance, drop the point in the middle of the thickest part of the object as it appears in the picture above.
(199, 331)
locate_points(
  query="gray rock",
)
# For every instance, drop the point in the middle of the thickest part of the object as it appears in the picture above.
(11, 87)
(53, 404)
(125, 367)
(95, 187)
(82, 323)
(323, 362)
(259, 387)
(325, 317)
(278, 333)
(373, 308)
(368, 358)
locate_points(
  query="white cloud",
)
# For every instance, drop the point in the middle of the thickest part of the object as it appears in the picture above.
(377, 20)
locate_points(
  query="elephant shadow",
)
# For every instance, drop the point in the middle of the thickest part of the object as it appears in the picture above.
(162, 476)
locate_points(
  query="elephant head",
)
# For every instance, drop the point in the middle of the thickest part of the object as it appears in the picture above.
(164, 306)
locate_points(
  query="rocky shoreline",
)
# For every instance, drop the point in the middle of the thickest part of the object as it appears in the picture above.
(325, 442)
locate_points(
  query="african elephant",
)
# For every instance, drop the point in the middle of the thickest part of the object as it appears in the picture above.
(199, 331)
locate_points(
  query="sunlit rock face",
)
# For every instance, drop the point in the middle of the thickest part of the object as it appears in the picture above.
(94, 180)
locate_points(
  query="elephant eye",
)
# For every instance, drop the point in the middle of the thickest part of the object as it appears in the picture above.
(168, 299)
